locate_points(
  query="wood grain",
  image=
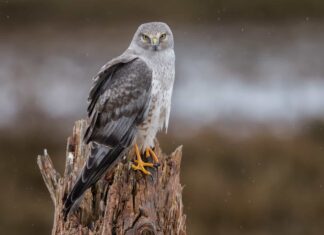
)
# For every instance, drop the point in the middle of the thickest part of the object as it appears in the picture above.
(124, 202)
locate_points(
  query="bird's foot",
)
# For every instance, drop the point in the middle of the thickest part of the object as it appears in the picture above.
(141, 164)
(150, 153)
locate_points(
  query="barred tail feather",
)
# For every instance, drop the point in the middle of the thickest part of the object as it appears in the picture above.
(100, 159)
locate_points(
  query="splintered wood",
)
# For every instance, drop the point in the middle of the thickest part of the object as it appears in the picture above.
(124, 201)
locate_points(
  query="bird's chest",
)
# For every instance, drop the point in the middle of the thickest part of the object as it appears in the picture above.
(155, 118)
(160, 102)
(153, 121)
(157, 113)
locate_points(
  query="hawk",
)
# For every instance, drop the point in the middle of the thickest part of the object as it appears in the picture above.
(129, 103)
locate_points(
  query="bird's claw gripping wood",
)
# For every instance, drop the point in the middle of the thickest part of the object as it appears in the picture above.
(150, 152)
(140, 163)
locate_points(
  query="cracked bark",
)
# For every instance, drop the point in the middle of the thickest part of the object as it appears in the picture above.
(125, 202)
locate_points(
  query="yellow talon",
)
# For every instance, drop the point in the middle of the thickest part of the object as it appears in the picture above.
(140, 163)
(150, 152)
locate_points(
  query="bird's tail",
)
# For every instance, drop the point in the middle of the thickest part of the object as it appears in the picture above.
(99, 160)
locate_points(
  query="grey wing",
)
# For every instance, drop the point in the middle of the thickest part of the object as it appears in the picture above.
(100, 81)
(118, 102)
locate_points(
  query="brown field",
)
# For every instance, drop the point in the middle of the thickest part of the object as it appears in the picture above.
(261, 184)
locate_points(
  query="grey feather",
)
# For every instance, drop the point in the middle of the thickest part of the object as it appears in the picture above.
(116, 107)
(129, 102)
(122, 100)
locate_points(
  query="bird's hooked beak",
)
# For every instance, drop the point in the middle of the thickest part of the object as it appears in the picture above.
(155, 43)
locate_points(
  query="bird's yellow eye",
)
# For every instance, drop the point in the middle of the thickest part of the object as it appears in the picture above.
(163, 36)
(145, 38)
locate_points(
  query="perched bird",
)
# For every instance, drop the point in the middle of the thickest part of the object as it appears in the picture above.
(129, 103)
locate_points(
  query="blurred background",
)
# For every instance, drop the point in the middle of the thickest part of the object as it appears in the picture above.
(248, 105)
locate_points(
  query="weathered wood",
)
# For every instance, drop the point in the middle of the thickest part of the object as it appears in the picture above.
(125, 202)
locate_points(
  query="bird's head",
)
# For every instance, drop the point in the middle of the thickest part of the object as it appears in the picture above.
(153, 36)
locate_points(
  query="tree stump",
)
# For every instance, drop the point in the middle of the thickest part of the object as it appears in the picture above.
(123, 202)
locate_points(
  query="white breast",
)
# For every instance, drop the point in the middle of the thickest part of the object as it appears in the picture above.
(160, 103)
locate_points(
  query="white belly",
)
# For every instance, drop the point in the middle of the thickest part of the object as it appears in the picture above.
(160, 104)
(157, 117)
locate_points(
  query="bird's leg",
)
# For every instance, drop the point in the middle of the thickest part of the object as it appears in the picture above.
(150, 153)
(140, 163)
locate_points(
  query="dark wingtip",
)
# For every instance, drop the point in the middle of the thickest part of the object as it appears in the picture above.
(67, 208)
(92, 177)
(65, 213)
